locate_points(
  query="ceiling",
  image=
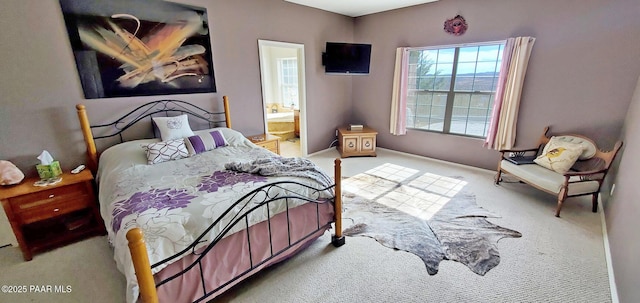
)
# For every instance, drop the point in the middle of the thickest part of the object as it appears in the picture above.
(356, 8)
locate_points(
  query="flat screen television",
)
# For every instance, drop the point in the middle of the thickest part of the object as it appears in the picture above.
(347, 58)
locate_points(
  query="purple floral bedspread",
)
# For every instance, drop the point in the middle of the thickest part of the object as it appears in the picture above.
(174, 202)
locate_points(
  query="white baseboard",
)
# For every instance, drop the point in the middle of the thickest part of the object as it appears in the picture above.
(321, 151)
(607, 254)
(436, 160)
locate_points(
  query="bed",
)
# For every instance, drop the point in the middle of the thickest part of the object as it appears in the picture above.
(189, 222)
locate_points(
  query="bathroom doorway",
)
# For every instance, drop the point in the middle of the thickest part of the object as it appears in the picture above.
(283, 94)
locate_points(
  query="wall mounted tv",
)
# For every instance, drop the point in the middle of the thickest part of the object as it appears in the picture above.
(347, 58)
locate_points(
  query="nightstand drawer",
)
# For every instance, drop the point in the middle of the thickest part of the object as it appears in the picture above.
(50, 210)
(267, 141)
(271, 145)
(42, 198)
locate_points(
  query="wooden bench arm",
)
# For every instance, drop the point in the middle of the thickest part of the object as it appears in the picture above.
(585, 173)
(588, 175)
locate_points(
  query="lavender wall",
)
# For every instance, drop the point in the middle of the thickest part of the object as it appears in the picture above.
(581, 77)
(623, 208)
(40, 87)
(581, 73)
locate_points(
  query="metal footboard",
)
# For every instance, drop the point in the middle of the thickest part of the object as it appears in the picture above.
(255, 200)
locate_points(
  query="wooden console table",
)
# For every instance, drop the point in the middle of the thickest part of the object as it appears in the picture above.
(357, 143)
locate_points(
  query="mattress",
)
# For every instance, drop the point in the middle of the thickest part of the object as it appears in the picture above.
(174, 202)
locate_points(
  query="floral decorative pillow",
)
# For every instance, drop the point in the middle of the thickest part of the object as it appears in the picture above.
(165, 151)
(173, 127)
(205, 142)
(558, 155)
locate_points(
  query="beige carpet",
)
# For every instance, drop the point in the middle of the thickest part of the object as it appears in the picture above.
(556, 260)
(290, 148)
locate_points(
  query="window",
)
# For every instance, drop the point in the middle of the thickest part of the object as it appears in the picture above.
(288, 76)
(451, 89)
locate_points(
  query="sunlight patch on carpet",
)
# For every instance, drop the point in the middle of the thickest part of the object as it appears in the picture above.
(402, 188)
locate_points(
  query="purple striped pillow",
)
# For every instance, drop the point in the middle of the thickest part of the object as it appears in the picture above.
(205, 142)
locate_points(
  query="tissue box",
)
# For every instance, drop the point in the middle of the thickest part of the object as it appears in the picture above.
(49, 171)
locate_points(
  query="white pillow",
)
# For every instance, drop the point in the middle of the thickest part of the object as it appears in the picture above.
(559, 155)
(173, 127)
(165, 151)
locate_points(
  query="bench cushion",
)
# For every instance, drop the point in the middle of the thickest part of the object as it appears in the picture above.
(546, 179)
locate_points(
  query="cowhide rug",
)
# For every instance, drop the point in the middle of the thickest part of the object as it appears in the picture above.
(459, 231)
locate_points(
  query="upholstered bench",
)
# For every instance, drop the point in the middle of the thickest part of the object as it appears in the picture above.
(565, 166)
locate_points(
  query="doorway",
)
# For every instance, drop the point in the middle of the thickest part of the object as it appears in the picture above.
(283, 94)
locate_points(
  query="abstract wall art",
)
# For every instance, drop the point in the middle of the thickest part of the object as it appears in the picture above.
(139, 47)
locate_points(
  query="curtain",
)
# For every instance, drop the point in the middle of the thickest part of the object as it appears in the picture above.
(398, 125)
(504, 117)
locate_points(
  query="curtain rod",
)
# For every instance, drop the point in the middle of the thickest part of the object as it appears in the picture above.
(457, 45)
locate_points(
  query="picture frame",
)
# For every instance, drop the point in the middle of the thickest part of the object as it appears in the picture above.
(128, 48)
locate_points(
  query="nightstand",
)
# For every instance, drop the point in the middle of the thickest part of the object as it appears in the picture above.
(44, 217)
(357, 143)
(267, 141)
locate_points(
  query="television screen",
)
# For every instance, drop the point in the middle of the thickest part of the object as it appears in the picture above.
(347, 58)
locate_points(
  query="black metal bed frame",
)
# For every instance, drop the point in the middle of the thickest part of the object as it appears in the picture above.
(156, 108)
(248, 205)
(248, 202)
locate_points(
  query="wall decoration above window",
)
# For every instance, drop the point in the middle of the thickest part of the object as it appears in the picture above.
(139, 47)
(456, 26)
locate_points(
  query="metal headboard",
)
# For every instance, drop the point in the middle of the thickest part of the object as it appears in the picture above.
(154, 109)
(148, 110)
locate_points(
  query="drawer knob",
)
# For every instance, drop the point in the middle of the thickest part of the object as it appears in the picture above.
(350, 144)
(51, 196)
(55, 210)
(367, 144)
